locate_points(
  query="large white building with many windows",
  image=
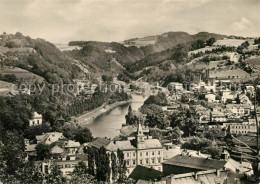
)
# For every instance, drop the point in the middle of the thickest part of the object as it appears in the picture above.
(242, 128)
(139, 150)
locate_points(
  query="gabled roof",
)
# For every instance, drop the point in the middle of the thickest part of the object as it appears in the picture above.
(50, 137)
(99, 142)
(57, 150)
(71, 144)
(195, 162)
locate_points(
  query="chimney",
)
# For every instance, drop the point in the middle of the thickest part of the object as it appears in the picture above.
(196, 176)
(218, 172)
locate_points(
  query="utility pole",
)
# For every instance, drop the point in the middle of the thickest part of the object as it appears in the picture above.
(257, 131)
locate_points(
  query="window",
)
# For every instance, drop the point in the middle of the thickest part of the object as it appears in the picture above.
(141, 161)
(159, 152)
(127, 154)
(127, 162)
(38, 122)
(134, 154)
(141, 154)
(153, 160)
(67, 165)
(147, 161)
(147, 153)
(153, 153)
(159, 160)
(133, 162)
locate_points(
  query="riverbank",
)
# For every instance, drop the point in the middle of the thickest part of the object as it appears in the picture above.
(89, 117)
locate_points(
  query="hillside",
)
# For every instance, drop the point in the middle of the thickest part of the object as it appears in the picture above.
(137, 53)
(39, 57)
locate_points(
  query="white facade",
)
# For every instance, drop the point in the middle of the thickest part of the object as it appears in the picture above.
(243, 128)
(36, 120)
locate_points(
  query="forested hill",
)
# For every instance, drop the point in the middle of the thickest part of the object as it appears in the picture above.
(38, 56)
(136, 52)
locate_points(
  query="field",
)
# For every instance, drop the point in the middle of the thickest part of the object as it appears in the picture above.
(23, 75)
(229, 42)
(253, 61)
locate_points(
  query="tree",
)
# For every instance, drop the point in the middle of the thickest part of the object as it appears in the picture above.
(11, 152)
(114, 168)
(121, 166)
(29, 173)
(55, 177)
(91, 161)
(80, 169)
(83, 135)
(102, 162)
(42, 151)
(210, 41)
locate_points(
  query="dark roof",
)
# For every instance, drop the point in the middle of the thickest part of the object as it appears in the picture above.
(99, 142)
(145, 173)
(195, 162)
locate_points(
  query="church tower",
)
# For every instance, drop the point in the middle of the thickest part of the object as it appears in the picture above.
(140, 137)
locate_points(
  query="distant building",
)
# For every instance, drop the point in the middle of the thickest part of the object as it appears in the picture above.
(243, 128)
(228, 95)
(36, 120)
(210, 97)
(217, 116)
(181, 164)
(239, 110)
(49, 138)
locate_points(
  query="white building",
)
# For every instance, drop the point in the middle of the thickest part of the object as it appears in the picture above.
(243, 128)
(210, 97)
(36, 120)
(139, 150)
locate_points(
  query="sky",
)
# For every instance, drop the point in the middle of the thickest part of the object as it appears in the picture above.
(61, 21)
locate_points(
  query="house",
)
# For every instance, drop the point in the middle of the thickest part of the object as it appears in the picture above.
(228, 95)
(244, 128)
(175, 87)
(139, 150)
(217, 116)
(239, 110)
(210, 97)
(244, 99)
(181, 164)
(30, 151)
(171, 108)
(49, 138)
(36, 120)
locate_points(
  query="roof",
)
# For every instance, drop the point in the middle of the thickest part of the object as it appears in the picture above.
(99, 142)
(195, 162)
(229, 106)
(145, 173)
(130, 145)
(57, 150)
(49, 138)
(36, 115)
(71, 144)
(30, 148)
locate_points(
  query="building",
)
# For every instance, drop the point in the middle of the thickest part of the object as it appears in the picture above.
(228, 95)
(210, 97)
(139, 150)
(181, 164)
(49, 138)
(36, 120)
(239, 110)
(242, 128)
(217, 116)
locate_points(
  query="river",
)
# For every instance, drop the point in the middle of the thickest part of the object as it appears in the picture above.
(109, 124)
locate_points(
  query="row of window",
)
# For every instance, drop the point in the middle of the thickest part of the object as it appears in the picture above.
(144, 153)
(146, 161)
(241, 127)
(67, 166)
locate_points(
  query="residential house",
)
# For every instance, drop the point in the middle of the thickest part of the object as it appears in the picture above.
(217, 116)
(210, 97)
(36, 120)
(49, 138)
(239, 110)
(228, 95)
